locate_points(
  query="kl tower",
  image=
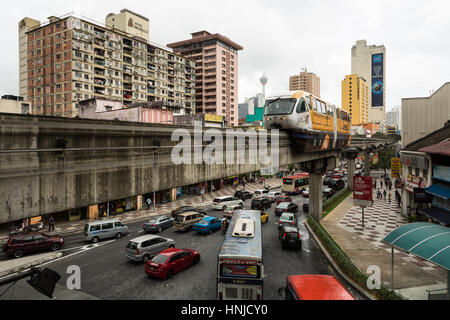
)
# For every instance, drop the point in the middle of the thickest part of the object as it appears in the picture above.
(263, 81)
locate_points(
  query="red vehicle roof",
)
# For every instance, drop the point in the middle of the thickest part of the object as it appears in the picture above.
(298, 176)
(319, 287)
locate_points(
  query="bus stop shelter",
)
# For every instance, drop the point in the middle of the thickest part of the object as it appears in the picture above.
(425, 240)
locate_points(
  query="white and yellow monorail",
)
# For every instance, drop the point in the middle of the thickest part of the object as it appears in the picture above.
(313, 123)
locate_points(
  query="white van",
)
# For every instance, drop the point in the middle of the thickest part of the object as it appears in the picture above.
(98, 230)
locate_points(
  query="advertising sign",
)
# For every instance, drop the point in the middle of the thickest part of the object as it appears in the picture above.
(239, 270)
(396, 167)
(377, 80)
(362, 191)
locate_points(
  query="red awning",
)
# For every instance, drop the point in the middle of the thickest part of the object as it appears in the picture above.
(442, 148)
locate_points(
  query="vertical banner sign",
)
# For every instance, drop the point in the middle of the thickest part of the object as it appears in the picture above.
(377, 80)
(362, 191)
(396, 167)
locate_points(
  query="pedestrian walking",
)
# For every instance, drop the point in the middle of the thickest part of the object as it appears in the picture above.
(378, 194)
(381, 184)
(149, 203)
(399, 201)
(203, 194)
(389, 196)
(51, 224)
(384, 194)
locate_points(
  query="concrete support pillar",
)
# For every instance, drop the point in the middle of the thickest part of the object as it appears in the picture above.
(315, 196)
(367, 163)
(350, 173)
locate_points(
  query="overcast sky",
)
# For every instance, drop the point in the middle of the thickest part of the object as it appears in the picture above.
(279, 37)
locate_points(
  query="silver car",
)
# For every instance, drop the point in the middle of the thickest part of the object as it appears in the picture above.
(158, 224)
(145, 247)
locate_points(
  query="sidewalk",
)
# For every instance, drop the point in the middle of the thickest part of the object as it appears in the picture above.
(77, 226)
(15, 265)
(412, 275)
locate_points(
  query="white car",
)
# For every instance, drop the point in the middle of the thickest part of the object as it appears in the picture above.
(261, 192)
(220, 203)
(306, 193)
(273, 194)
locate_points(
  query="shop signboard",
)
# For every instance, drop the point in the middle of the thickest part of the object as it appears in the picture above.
(362, 191)
(396, 168)
(441, 173)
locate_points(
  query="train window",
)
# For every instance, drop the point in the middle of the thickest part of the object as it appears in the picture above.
(330, 111)
(301, 107)
(308, 100)
(314, 104)
(322, 105)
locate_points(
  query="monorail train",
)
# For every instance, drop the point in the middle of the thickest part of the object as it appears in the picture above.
(313, 123)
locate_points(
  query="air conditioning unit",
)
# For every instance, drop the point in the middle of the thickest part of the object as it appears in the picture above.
(244, 228)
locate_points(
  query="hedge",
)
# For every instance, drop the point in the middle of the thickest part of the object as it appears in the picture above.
(344, 262)
(334, 201)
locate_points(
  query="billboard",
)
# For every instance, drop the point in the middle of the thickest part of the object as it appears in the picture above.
(377, 80)
(396, 167)
(362, 191)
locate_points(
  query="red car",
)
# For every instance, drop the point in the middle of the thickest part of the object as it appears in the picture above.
(171, 261)
(31, 242)
(281, 199)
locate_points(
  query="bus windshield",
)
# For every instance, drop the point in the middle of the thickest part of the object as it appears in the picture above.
(280, 106)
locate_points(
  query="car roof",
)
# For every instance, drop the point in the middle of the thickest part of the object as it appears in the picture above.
(288, 214)
(102, 221)
(145, 238)
(224, 197)
(209, 218)
(290, 228)
(188, 213)
(171, 251)
(284, 204)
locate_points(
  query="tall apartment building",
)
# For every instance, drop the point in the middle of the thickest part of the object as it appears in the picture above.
(393, 118)
(216, 73)
(355, 99)
(369, 62)
(70, 59)
(305, 81)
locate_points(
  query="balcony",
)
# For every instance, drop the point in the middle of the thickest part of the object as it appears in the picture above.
(100, 62)
(127, 51)
(151, 91)
(98, 90)
(127, 60)
(99, 52)
(127, 69)
(99, 81)
(127, 43)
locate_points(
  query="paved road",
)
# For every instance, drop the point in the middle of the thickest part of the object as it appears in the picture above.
(106, 274)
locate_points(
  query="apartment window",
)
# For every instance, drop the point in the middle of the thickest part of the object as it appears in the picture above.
(86, 86)
(416, 171)
(58, 86)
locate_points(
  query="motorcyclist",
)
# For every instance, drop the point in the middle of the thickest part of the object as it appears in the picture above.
(225, 224)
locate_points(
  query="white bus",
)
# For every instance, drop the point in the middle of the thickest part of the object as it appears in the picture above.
(240, 263)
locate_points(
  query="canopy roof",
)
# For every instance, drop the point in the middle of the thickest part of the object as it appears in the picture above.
(426, 240)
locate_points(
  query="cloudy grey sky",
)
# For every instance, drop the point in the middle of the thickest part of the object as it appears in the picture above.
(280, 37)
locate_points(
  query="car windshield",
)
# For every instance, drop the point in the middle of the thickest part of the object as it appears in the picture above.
(160, 259)
(179, 219)
(280, 106)
(283, 205)
(153, 220)
(132, 245)
(293, 235)
(204, 222)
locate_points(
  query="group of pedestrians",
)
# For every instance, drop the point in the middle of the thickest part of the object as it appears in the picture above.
(387, 186)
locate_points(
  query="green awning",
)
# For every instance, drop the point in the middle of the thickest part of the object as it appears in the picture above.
(426, 240)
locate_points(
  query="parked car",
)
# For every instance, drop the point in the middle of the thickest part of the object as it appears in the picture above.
(208, 225)
(289, 236)
(337, 184)
(306, 193)
(147, 246)
(288, 218)
(243, 195)
(273, 194)
(260, 203)
(285, 207)
(25, 243)
(99, 230)
(171, 261)
(327, 192)
(185, 221)
(221, 203)
(261, 192)
(264, 217)
(229, 210)
(158, 224)
(280, 199)
(183, 209)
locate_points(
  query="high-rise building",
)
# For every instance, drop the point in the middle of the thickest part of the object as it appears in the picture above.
(24, 26)
(369, 62)
(422, 116)
(393, 119)
(70, 59)
(216, 73)
(305, 81)
(355, 98)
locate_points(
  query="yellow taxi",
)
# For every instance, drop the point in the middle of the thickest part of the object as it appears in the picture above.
(264, 217)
